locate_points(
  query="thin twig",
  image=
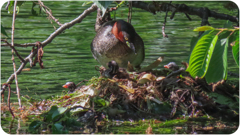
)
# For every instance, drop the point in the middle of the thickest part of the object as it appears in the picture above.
(9, 103)
(82, 81)
(20, 45)
(49, 12)
(12, 47)
(165, 20)
(14, 64)
(129, 12)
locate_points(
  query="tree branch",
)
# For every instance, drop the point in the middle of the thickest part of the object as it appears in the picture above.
(13, 48)
(13, 60)
(204, 13)
(63, 27)
(49, 12)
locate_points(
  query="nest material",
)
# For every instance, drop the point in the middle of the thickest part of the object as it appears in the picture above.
(147, 91)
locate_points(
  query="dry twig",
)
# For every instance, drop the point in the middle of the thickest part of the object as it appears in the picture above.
(49, 12)
(9, 103)
(129, 12)
(13, 48)
(14, 64)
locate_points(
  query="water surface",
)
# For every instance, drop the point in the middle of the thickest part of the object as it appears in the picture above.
(69, 58)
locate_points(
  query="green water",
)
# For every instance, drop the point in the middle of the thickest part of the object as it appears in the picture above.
(68, 57)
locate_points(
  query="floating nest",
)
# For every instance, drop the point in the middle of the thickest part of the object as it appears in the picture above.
(161, 94)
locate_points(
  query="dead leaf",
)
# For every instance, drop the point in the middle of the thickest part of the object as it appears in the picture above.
(39, 56)
(146, 78)
(149, 130)
(123, 86)
(26, 69)
(160, 78)
(152, 65)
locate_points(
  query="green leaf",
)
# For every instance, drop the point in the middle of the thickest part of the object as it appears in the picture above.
(50, 112)
(201, 55)
(194, 41)
(225, 64)
(217, 69)
(103, 5)
(203, 28)
(58, 129)
(3, 31)
(34, 125)
(11, 5)
(86, 3)
(234, 42)
(100, 101)
(234, 37)
(235, 51)
(58, 112)
(192, 45)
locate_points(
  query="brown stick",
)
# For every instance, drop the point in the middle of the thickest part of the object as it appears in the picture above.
(14, 64)
(9, 95)
(49, 12)
(129, 12)
(13, 48)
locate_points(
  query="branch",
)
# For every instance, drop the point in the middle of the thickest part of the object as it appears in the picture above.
(13, 60)
(65, 26)
(20, 45)
(13, 48)
(163, 27)
(49, 12)
(9, 103)
(204, 13)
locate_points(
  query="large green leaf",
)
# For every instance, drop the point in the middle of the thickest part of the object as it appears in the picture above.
(192, 45)
(217, 69)
(201, 55)
(235, 51)
(103, 5)
(194, 41)
(234, 41)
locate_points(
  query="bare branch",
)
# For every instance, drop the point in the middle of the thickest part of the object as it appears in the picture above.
(12, 46)
(20, 45)
(9, 103)
(129, 12)
(164, 23)
(49, 12)
(204, 13)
